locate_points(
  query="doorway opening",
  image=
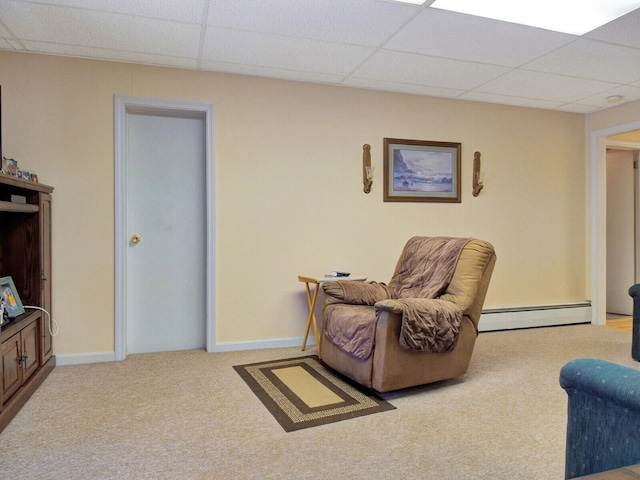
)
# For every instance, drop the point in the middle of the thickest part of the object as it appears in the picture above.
(600, 140)
(622, 225)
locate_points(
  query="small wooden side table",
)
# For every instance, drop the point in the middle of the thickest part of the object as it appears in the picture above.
(313, 297)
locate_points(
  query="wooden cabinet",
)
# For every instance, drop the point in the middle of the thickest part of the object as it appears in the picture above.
(26, 347)
(20, 357)
(11, 374)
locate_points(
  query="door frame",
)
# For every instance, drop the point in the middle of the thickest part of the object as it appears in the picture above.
(127, 104)
(598, 191)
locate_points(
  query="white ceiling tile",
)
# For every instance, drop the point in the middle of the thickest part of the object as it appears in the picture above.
(4, 33)
(376, 44)
(577, 108)
(67, 26)
(271, 72)
(428, 71)
(115, 55)
(189, 11)
(401, 87)
(15, 44)
(475, 39)
(544, 86)
(507, 100)
(591, 59)
(627, 92)
(623, 31)
(264, 50)
(358, 22)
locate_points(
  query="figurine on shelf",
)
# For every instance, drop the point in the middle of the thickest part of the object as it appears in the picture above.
(9, 166)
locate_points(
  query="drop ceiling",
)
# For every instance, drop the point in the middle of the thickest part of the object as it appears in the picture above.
(373, 44)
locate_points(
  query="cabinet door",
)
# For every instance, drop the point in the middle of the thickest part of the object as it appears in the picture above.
(29, 344)
(11, 374)
(45, 258)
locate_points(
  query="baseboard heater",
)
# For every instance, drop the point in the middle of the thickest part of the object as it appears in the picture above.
(506, 318)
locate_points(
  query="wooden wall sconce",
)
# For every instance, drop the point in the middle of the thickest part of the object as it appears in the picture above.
(477, 177)
(367, 169)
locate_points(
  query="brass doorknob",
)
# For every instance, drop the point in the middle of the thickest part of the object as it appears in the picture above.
(135, 239)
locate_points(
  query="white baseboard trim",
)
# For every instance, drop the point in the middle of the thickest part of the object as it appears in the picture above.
(491, 320)
(82, 358)
(262, 344)
(534, 316)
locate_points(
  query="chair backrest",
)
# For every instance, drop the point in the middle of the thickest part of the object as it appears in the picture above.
(470, 281)
(426, 266)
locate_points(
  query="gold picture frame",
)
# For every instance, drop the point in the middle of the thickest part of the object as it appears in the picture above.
(422, 171)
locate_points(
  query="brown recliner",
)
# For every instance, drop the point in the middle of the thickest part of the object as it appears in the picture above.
(390, 366)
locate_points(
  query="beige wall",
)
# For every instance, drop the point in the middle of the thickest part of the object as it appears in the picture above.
(632, 136)
(289, 188)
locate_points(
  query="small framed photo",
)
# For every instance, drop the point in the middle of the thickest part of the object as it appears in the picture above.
(11, 166)
(9, 295)
(34, 178)
(421, 171)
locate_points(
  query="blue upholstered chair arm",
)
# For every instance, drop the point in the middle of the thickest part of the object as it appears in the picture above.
(634, 292)
(606, 380)
(603, 421)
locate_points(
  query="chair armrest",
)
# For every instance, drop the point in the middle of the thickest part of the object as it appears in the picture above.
(355, 293)
(604, 380)
(603, 414)
(396, 306)
(634, 291)
(389, 305)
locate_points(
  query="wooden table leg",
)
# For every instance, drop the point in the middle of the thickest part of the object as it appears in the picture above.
(312, 316)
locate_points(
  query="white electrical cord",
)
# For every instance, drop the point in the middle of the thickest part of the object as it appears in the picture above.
(49, 317)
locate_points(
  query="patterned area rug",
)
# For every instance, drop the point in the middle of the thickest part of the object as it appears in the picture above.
(302, 393)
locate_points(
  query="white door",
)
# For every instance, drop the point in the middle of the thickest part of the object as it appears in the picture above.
(166, 228)
(620, 231)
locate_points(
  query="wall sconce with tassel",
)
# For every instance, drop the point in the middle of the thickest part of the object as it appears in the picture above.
(367, 169)
(477, 176)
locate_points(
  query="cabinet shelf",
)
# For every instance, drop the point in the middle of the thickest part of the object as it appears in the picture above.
(19, 183)
(19, 207)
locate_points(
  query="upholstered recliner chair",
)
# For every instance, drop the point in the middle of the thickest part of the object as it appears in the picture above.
(419, 329)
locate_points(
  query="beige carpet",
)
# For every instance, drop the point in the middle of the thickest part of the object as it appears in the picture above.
(301, 393)
(188, 415)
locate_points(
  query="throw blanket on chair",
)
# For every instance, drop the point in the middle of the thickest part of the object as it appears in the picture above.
(426, 267)
(429, 325)
(423, 273)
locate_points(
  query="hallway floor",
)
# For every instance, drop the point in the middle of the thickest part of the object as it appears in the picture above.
(620, 322)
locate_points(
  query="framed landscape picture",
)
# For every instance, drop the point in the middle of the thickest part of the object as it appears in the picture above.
(421, 171)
